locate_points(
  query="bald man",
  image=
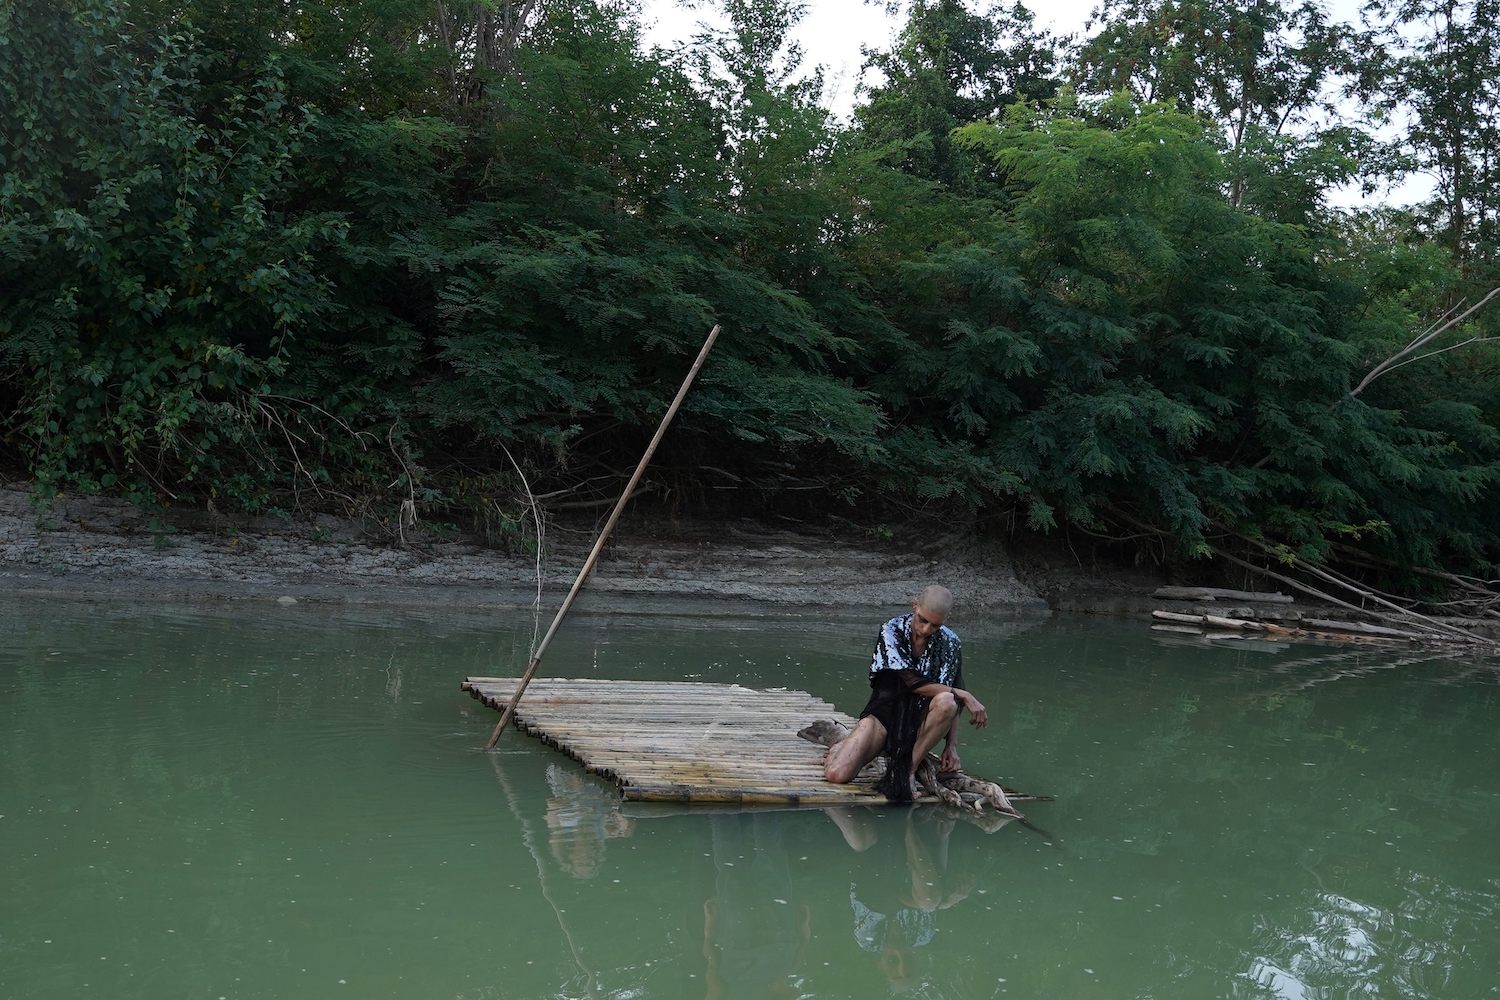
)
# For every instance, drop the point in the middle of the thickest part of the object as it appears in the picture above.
(917, 689)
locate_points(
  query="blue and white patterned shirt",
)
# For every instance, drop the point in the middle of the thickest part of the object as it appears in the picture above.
(941, 661)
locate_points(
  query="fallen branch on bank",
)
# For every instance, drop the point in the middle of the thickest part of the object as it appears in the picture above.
(1390, 611)
(1218, 593)
(1306, 628)
(1445, 323)
(1394, 614)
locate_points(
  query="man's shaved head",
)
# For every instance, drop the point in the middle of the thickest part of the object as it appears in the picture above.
(936, 599)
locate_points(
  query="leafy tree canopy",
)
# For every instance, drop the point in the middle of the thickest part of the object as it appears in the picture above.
(384, 254)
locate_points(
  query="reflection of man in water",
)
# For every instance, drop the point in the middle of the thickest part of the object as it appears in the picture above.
(581, 815)
(896, 905)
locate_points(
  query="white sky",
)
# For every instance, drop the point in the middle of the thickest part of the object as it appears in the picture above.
(833, 32)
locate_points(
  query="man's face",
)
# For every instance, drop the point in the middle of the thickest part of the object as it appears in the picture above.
(924, 622)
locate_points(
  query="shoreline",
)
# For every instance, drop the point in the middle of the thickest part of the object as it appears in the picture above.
(95, 549)
(100, 548)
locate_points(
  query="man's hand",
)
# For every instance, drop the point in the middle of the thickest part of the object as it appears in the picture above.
(949, 762)
(977, 715)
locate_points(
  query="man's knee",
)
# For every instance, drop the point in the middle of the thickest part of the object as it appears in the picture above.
(840, 768)
(848, 756)
(944, 706)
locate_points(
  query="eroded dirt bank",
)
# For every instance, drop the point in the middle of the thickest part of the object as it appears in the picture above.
(79, 546)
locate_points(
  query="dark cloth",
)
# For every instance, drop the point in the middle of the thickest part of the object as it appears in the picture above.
(888, 700)
(901, 713)
(894, 674)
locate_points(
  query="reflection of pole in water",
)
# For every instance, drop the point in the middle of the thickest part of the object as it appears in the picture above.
(393, 680)
(541, 875)
(755, 935)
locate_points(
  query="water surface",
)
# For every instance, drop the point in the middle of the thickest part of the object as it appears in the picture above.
(252, 801)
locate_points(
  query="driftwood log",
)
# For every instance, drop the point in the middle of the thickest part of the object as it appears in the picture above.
(1218, 594)
(1307, 628)
(953, 788)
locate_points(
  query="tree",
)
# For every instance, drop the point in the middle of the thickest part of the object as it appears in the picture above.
(1191, 363)
(1263, 71)
(1441, 70)
(950, 67)
(153, 272)
(630, 201)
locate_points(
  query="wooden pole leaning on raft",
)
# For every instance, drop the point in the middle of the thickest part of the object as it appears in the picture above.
(609, 525)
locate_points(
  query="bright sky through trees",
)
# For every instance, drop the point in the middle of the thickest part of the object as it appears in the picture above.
(834, 32)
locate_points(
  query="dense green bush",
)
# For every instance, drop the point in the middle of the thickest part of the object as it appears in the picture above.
(362, 254)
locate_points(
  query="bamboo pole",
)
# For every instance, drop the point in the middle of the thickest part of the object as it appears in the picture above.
(536, 658)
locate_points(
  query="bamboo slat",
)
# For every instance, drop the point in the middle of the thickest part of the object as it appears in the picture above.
(678, 741)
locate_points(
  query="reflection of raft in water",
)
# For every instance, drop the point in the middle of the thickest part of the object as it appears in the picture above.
(668, 741)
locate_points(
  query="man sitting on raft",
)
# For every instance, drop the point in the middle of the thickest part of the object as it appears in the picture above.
(917, 686)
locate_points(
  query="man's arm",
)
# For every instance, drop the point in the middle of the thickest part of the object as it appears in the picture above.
(950, 760)
(977, 713)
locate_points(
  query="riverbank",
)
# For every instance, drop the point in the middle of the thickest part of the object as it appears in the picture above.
(94, 547)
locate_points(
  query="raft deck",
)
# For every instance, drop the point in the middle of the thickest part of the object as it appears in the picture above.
(667, 741)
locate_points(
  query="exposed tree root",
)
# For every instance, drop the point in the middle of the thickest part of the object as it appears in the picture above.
(953, 788)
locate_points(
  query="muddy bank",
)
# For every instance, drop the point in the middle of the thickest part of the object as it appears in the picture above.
(90, 547)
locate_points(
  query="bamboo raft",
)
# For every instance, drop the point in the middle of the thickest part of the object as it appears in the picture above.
(668, 741)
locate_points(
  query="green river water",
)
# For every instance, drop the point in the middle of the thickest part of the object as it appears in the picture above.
(257, 801)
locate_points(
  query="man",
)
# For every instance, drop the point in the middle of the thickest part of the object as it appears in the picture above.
(917, 686)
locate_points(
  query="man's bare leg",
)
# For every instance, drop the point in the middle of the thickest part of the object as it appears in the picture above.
(940, 712)
(854, 751)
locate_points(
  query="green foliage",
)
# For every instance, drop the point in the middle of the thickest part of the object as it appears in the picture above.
(394, 256)
(948, 68)
(152, 273)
